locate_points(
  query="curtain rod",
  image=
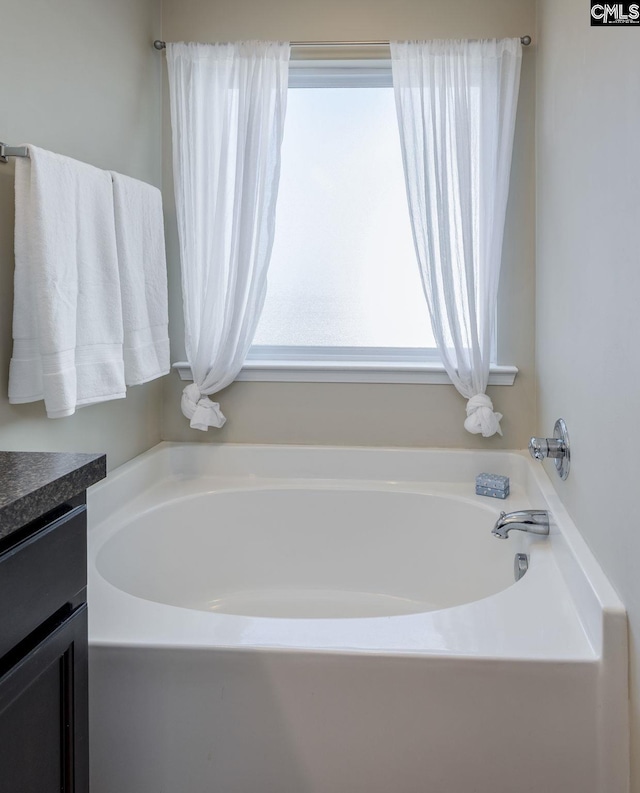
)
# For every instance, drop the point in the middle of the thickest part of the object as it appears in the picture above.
(161, 45)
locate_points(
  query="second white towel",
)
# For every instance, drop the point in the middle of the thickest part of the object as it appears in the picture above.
(143, 278)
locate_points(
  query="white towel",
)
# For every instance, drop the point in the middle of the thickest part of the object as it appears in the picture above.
(67, 316)
(143, 279)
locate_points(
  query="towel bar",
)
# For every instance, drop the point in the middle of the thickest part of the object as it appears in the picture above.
(12, 151)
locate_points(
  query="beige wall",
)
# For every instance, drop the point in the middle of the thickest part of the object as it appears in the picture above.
(588, 287)
(406, 415)
(79, 77)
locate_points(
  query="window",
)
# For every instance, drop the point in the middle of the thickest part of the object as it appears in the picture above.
(344, 290)
(343, 270)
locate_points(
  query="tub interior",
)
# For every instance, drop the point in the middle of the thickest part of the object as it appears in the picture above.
(311, 553)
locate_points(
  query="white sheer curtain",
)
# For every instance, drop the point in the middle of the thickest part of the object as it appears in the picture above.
(456, 104)
(228, 105)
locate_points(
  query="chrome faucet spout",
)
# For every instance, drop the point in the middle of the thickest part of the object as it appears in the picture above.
(534, 521)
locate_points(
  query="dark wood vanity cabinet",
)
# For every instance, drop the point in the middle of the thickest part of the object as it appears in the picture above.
(43, 673)
(43, 653)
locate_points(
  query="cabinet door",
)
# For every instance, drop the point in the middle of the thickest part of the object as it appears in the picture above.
(42, 574)
(43, 714)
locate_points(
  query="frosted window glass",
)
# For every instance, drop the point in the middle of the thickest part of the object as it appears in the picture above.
(343, 270)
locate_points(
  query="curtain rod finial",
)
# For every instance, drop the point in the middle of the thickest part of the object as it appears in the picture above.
(159, 45)
(526, 40)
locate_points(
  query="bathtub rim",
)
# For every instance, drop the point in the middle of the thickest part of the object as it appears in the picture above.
(132, 478)
(595, 599)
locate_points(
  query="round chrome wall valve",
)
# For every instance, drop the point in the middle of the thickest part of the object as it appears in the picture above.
(556, 448)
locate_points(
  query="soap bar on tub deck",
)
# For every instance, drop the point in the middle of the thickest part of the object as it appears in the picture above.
(492, 485)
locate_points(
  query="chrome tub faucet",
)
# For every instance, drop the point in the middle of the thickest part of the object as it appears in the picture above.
(534, 521)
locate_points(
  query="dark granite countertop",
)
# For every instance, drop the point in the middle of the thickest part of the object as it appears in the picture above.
(33, 483)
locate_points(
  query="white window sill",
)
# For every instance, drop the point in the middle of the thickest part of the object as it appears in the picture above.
(299, 371)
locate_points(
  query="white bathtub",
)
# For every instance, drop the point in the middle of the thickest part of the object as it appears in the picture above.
(316, 620)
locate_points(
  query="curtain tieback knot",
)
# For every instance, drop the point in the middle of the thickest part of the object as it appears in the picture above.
(202, 412)
(481, 417)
